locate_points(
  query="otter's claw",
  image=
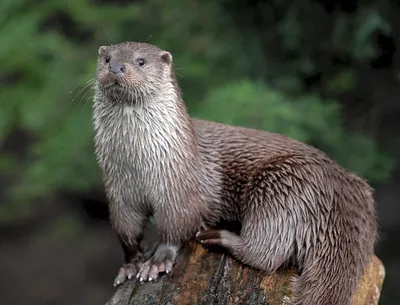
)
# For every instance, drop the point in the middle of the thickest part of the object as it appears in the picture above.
(161, 261)
(151, 270)
(128, 271)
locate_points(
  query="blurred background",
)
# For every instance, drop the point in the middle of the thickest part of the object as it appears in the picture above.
(322, 72)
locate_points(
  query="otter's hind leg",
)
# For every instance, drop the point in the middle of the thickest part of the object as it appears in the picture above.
(260, 245)
(269, 218)
(275, 205)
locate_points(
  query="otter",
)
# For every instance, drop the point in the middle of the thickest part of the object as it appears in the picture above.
(293, 203)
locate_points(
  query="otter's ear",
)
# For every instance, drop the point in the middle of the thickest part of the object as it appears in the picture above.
(166, 57)
(102, 50)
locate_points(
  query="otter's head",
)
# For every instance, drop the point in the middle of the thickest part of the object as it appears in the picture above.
(133, 72)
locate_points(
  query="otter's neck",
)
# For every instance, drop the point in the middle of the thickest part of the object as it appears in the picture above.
(158, 127)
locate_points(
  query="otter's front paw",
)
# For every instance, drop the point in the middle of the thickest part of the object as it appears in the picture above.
(161, 261)
(128, 271)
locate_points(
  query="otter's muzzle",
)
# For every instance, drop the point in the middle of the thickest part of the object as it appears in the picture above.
(116, 68)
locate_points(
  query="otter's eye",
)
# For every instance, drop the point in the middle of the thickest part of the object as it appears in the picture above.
(108, 58)
(140, 62)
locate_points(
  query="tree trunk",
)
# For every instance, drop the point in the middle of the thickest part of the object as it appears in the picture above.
(204, 277)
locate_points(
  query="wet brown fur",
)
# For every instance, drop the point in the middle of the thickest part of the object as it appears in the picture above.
(293, 202)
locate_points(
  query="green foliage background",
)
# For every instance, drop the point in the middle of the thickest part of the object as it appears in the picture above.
(234, 64)
(326, 73)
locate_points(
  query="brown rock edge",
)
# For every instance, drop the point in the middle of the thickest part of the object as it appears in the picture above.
(204, 277)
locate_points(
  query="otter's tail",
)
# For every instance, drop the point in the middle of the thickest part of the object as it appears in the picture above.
(331, 276)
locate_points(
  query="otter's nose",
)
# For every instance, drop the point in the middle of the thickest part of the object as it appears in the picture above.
(116, 68)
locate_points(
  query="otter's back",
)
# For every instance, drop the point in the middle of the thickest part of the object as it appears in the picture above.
(247, 145)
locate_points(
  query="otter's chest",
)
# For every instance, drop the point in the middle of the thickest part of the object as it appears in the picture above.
(134, 148)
